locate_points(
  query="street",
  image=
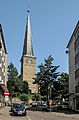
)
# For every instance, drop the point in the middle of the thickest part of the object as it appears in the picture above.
(37, 115)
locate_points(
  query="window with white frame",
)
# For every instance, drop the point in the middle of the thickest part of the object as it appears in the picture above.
(0, 78)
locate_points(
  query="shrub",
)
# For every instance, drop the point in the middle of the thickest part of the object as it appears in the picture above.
(24, 97)
(43, 98)
(36, 97)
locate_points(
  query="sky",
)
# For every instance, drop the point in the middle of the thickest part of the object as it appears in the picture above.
(52, 24)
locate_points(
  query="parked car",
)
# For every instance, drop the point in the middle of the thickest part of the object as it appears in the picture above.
(65, 105)
(18, 109)
(42, 106)
(59, 105)
(34, 104)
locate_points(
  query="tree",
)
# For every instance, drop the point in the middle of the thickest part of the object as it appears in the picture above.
(25, 87)
(47, 74)
(36, 97)
(15, 84)
(12, 76)
(63, 83)
(24, 97)
(18, 85)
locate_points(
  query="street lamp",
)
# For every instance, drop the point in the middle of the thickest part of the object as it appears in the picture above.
(50, 94)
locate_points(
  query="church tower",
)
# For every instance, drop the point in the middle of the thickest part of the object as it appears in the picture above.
(28, 60)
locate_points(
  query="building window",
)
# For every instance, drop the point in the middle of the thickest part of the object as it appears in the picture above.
(0, 65)
(77, 74)
(4, 73)
(77, 35)
(77, 50)
(0, 78)
(1, 52)
(2, 70)
(3, 59)
(32, 61)
(77, 65)
(77, 103)
(0, 45)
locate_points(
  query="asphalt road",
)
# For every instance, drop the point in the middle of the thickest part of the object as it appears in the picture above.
(35, 115)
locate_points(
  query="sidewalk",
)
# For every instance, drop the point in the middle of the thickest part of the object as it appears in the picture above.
(4, 110)
(66, 113)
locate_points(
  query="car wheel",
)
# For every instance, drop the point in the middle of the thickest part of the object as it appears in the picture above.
(12, 114)
(25, 114)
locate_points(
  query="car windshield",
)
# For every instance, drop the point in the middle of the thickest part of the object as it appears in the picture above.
(18, 106)
(65, 103)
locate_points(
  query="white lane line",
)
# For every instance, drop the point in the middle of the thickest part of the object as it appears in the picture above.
(28, 117)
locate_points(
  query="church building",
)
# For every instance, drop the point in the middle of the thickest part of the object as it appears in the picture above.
(28, 60)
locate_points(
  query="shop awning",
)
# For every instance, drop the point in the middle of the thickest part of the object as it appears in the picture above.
(3, 87)
(68, 94)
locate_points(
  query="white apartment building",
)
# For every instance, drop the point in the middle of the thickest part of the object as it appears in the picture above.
(3, 67)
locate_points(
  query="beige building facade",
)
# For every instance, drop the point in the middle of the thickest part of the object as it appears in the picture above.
(28, 60)
(73, 58)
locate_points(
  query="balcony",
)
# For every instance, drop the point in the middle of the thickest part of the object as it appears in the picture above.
(77, 89)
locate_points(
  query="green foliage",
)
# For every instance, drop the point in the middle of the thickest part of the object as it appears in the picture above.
(12, 72)
(12, 76)
(24, 97)
(35, 97)
(17, 94)
(15, 84)
(43, 90)
(43, 98)
(46, 75)
(61, 86)
(21, 86)
(30, 96)
(25, 87)
(64, 83)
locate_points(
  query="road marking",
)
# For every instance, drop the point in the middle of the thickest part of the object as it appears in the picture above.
(28, 117)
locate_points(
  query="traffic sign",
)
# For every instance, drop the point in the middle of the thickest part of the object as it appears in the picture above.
(6, 93)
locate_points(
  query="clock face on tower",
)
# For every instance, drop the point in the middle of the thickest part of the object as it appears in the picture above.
(30, 61)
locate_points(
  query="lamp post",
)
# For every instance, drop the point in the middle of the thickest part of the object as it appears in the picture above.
(50, 95)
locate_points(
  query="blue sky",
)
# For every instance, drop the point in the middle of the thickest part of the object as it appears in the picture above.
(52, 24)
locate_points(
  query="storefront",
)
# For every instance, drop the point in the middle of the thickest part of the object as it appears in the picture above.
(74, 102)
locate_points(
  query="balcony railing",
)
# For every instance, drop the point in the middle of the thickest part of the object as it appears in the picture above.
(77, 89)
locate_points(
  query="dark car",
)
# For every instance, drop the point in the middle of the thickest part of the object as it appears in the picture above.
(18, 109)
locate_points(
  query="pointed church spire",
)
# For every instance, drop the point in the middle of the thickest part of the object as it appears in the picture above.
(28, 48)
(28, 61)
